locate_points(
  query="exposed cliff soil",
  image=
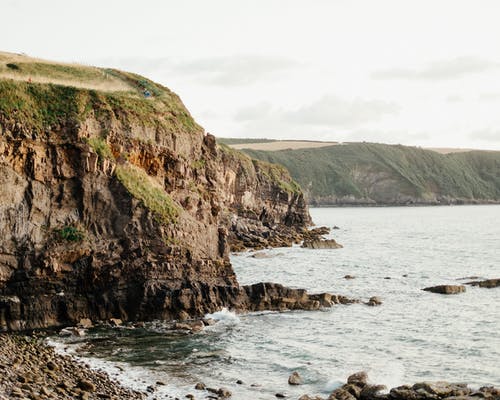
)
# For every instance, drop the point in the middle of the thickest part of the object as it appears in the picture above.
(116, 205)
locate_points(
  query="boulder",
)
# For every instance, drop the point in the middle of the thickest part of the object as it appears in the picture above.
(446, 289)
(359, 378)
(295, 379)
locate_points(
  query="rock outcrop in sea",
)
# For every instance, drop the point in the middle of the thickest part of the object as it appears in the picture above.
(117, 206)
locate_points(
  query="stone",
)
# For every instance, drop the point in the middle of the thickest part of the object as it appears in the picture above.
(370, 392)
(200, 386)
(341, 394)
(224, 393)
(115, 322)
(349, 277)
(358, 378)
(280, 395)
(86, 385)
(446, 289)
(85, 323)
(295, 379)
(374, 301)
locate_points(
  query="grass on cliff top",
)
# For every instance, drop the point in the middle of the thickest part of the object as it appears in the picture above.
(41, 94)
(150, 193)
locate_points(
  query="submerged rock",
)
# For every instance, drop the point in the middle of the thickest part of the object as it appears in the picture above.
(446, 289)
(488, 283)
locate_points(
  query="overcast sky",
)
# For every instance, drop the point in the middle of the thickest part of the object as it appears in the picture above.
(423, 73)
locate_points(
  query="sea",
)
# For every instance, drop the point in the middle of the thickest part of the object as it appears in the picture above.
(392, 253)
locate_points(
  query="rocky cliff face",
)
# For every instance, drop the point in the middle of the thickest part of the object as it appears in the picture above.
(113, 205)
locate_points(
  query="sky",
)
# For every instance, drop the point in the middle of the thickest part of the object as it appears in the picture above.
(424, 73)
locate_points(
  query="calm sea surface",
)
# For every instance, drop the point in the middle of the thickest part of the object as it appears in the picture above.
(413, 336)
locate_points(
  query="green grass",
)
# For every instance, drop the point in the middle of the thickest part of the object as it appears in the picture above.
(101, 147)
(346, 170)
(141, 186)
(70, 233)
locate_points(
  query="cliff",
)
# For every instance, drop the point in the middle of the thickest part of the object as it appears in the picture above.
(380, 174)
(115, 203)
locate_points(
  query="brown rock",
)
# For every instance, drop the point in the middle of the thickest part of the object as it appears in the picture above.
(321, 244)
(295, 379)
(488, 283)
(86, 385)
(359, 378)
(374, 301)
(446, 289)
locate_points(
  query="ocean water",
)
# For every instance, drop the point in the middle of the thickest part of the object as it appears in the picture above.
(393, 253)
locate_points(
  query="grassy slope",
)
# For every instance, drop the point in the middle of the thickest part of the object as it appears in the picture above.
(50, 101)
(357, 169)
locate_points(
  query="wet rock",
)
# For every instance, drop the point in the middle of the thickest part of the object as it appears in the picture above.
(349, 277)
(488, 283)
(200, 386)
(295, 379)
(359, 378)
(189, 396)
(307, 397)
(443, 389)
(370, 392)
(374, 301)
(446, 289)
(341, 394)
(321, 244)
(239, 382)
(280, 395)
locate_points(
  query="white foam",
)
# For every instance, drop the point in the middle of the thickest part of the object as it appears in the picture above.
(225, 316)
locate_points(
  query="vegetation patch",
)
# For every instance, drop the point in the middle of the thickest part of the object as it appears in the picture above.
(70, 233)
(101, 147)
(140, 185)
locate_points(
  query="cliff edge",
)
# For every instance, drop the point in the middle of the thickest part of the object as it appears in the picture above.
(116, 204)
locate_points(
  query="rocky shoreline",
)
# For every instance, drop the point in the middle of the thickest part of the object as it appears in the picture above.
(32, 370)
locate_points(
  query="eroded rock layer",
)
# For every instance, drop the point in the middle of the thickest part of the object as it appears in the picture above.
(114, 205)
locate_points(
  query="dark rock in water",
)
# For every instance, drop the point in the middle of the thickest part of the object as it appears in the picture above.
(239, 382)
(443, 389)
(280, 395)
(295, 379)
(341, 394)
(200, 386)
(321, 244)
(374, 301)
(349, 277)
(446, 289)
(488, 283)
(335, 227)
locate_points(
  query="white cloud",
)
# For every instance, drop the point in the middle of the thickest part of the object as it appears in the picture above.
(234, 70)
(440, 70)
